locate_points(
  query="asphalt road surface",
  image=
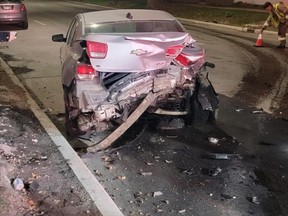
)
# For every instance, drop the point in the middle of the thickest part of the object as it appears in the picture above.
(147, 161)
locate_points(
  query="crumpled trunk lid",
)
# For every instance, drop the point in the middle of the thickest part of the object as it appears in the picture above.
(136, 52)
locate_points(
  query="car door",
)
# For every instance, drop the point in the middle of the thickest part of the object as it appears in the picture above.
(67, 56)
(66, 48)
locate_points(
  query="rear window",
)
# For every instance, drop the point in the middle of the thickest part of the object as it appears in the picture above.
(10, 1)
(135, 26)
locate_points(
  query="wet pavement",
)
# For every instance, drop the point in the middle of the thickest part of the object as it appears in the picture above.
(179, 165)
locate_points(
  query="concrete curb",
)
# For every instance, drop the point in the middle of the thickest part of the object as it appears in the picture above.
(97, 193)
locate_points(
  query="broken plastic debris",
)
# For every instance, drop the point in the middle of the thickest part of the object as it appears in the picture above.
(122, 177)
(189, 171)
(255, 200)
(213, 140)
(146, 173)
(97, 172)
(149, 164)
(239, 110)
(221, 156)
(18, 184)
(50, 109)
(225, 196)
(157, 193)
(138, 194)
(106, 159)
(215, 171)
(166, 201)
(109, 167)
(182, 211)
(257, 111)
(34, 140)
(168, 161)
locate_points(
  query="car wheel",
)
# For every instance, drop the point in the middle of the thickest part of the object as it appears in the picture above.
(24, 25)
(70, 124)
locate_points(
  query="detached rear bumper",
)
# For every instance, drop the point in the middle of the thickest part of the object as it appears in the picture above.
(207, 96)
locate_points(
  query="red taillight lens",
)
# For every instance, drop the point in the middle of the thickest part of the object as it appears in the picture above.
(85, 72)
(174, 51)
(23, 8)
(97, 50)
(182, 60)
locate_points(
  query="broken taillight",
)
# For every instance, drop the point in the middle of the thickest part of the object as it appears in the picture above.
(183, 60)
(85, 72)
(174, 51)
(96, 50)
(23, 8)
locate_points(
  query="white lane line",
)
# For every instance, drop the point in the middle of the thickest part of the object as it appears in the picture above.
(97, 193)
(41, 23)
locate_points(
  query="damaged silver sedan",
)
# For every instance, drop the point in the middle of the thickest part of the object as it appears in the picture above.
(111, 60)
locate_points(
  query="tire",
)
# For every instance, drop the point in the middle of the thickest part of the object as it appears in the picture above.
(24, 25)
(70, 124)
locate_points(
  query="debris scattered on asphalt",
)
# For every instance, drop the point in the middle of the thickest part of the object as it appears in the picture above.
(254, 200)
(18, 184)
(168, 161)
(157, 157)
(182, 211)
(32, 186)
(172, 136)
(257, 111)
(146, 173)
(213, 140)
(211, 194)
(157, 193)
(166, 201)
(97, 172)
(31, 203)
(225, 196)
(239, 110)
(122, 177)
(109, 167)
(106, 159)
(221, 156)
(48, 110)
(138, 194)
(215, 171)
(34, 140)
(190, 171)
(149, 163)
(43, 158)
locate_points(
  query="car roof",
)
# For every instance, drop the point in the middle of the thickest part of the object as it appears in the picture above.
(120, 15)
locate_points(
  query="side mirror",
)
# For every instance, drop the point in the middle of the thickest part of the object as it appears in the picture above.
(58, 38)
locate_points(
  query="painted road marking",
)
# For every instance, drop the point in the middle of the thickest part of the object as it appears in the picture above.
(97, 193)
(41, 23)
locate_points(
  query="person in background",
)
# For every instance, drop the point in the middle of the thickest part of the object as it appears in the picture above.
(278, 17)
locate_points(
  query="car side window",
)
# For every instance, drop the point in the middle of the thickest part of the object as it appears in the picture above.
(71, 32)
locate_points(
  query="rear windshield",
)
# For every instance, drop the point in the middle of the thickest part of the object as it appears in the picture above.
(10, 1)
(135, 26)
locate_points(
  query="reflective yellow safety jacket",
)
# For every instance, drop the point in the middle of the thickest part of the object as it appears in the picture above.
(278, 15)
